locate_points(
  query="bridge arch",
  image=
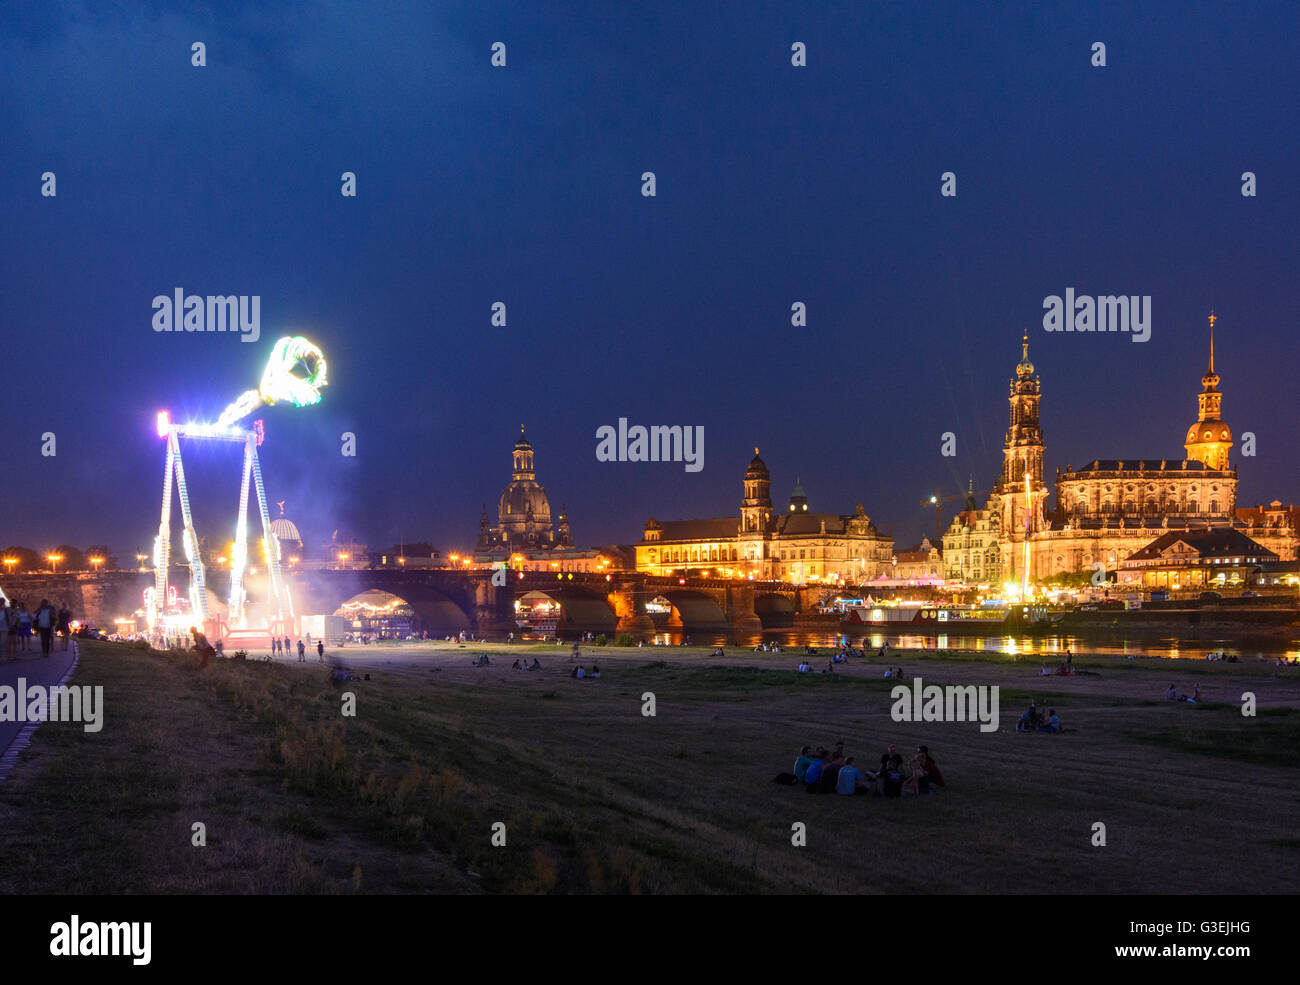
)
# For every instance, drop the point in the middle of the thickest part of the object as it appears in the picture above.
(774, 611)
(696, 610)
(581, 609)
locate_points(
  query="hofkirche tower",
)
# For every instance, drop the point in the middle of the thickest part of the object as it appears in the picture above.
(1020, 494)
(1209, 440)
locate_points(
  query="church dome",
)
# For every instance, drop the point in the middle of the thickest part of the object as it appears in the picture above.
(757, 468)
(518, 497)
(285, 530)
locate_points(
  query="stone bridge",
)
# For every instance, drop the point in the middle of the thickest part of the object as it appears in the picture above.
(446, 601)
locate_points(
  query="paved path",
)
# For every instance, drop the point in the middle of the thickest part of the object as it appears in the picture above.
(36, 670)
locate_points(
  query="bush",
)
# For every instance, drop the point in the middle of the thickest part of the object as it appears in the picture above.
(623, 639)
(600, 640)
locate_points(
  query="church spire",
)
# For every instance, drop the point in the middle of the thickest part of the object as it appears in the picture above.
(1212, 319)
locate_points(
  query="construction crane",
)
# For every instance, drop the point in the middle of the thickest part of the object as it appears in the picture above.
(937, 501)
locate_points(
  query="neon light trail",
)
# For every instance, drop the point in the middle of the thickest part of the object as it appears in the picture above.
(281, 381)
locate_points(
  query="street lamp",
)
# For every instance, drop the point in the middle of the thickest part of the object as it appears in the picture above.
(139, 558)
(96, 561)
(54, 560)
(343, 557)
(9, 564)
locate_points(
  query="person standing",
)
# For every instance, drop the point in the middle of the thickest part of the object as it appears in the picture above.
(65, 624)
(5, 614)
(302, 652)
(320, 651)
(46, 618)
(24, 627)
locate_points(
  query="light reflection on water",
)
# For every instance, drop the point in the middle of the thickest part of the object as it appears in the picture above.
(1050, 649)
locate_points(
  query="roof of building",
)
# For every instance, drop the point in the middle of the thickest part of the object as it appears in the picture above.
(1275, 511)
(1213, 542)
(714, 528)
(1143, 465)
(728, 527)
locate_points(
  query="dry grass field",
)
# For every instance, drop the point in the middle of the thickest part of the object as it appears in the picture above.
(597, 798)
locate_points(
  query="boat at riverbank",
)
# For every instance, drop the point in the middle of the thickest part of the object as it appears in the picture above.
(958, 619)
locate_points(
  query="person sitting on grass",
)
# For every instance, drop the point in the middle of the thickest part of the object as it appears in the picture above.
(804, 668)
(813, 774)
(595, 671)
(1171, 694)
(924, 773)
(891, 776)
(537, 664)
(515, 665)
(850, 782)
(1053, 724)
(802, 762)
(831, 773)
(578, 673)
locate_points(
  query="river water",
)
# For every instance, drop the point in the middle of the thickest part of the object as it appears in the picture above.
(1049, 649)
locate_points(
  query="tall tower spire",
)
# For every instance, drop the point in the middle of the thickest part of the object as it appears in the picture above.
(1209, 440)
(1212, 317)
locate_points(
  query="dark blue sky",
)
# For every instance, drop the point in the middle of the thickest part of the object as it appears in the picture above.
(522, 184)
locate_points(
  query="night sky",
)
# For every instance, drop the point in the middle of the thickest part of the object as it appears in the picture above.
(522, 184)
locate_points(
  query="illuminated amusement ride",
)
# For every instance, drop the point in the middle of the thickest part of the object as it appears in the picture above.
(294, 373)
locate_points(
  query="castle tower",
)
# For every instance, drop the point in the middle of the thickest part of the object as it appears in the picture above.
(1020, 503)
(756, 507)
(1209, 440)
(798, 498)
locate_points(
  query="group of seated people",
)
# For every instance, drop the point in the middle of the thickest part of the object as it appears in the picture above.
(1173, 695)
(581, 673)
(482, 661)
(766, 647)
(1035, 721)
(896, 673)
(830, 771)
(1230, 658)
(1061, 671)
(517, 665)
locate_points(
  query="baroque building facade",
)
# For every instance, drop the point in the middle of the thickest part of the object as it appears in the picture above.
(793, 544)
(1110, 508)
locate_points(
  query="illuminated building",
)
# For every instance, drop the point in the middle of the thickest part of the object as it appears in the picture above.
(524, 538)
(920, 565)
(1192, 560)
(1110, 508)
(794, 545)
